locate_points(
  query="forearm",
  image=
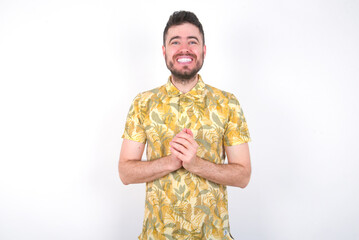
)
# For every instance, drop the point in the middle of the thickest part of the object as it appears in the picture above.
(137, 171)
(232, 174)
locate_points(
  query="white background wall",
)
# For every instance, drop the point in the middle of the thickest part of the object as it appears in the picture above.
(70, 69)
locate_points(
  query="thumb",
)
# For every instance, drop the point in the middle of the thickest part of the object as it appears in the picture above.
(188, 131)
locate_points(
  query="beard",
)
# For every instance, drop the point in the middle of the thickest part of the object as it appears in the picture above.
(184, 75)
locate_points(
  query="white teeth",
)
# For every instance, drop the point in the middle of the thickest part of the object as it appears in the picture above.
(184, 60)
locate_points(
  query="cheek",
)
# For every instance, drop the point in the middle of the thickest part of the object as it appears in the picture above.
(168, 57)
(197, 51)
(169, 54)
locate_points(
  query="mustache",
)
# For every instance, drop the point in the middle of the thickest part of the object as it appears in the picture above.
(184, 54)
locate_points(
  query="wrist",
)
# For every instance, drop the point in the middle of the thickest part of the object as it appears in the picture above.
(172, 163)
(194, 166)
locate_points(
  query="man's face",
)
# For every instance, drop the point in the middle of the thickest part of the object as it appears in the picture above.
(184, 51)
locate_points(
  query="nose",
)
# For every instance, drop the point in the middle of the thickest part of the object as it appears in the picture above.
(184, 48)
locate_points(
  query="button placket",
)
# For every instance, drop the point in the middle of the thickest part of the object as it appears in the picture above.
(181, 120)
(175, 109)
(187, 109)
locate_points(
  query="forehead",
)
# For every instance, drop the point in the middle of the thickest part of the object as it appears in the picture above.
(184, 30)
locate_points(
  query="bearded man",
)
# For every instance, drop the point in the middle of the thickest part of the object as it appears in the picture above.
(189, 128)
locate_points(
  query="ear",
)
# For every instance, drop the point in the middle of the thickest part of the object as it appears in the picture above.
(163, 50)
(204, 51)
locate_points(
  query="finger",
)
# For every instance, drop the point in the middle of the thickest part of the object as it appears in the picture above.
(183, 141)
(187, 152)
(187, 137)
(172, 145)
(176, 153)
(183, 134)
(188, 131)
(180, 148)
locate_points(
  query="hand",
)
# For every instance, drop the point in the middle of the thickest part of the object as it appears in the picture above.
(184, 147)
(174, 162)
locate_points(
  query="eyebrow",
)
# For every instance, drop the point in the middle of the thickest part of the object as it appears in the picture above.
(190, 37)
(178, 37)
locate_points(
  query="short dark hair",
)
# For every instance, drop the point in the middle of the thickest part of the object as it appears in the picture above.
(180, 17)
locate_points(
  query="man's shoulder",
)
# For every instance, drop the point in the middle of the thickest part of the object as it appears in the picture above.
(151, 94)
(218, 93)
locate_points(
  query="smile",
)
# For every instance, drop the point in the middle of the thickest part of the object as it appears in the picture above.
(184, 60)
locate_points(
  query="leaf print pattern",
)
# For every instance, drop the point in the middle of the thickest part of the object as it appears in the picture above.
(182, 205)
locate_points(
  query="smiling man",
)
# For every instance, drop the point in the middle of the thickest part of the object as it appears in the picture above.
(189, 128)
(184, 52)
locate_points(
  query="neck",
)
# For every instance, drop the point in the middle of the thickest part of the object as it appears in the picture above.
(184, 85)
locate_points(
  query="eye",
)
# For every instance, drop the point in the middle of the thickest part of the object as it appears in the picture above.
(192, 42)
(175, 42)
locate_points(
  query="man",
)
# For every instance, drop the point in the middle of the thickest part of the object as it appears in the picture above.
(189, 127)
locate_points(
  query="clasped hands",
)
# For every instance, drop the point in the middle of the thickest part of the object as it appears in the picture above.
(184, 150)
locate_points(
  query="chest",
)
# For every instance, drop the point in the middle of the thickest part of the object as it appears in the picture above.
(205, 117)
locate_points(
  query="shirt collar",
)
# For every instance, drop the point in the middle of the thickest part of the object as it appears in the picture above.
(197, 91)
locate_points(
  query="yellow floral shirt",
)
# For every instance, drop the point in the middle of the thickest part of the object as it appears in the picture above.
(182, 205)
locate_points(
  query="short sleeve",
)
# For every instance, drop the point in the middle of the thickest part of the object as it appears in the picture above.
(134, 129)
(236, 129)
